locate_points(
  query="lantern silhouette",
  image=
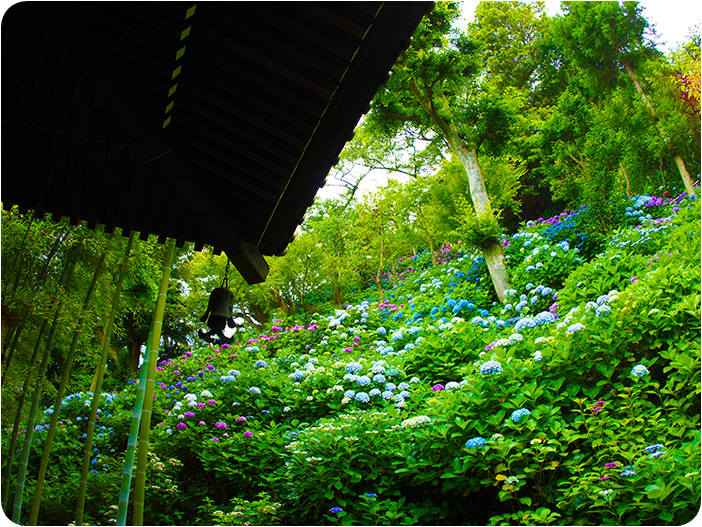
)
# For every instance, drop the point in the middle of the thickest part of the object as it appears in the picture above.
(219, 314)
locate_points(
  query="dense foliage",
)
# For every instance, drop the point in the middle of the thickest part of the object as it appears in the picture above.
(380, 375)
(576, 401)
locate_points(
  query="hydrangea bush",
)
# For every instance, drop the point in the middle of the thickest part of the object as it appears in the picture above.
(575, 401)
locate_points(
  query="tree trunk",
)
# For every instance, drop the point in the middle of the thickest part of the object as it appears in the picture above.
(626, 177)
(492, 249)
(684, 173)
(135, 352)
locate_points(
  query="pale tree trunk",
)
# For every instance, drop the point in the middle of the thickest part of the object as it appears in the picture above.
(626, 177)
(684, 173)
(431, 241)
(492, 249)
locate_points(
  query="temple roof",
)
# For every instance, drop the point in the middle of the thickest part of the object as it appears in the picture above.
(212, 123)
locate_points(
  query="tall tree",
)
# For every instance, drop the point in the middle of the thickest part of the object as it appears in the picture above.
(605, 38)
(427, 93)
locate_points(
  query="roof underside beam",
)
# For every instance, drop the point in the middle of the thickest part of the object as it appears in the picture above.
(155, 146)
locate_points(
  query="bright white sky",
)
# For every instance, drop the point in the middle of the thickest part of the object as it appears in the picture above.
(672, 19)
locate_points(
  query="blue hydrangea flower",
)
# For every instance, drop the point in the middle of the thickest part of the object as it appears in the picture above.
(297, 375)
(654, 448)
(336, 510)
(349, 394)
(476, 442)
(362, 397)
(379, 366)
(374, 392)
(574, 327)
(260, 364)
(524, 323)
(379, 378)
(363, 380)
(387, 395)
(628, 473)
(545, 317)
(518, 414)
(390, 387)
(602, 299)
(255, 391)
(403, 386)
(639, 370)
(603, 310)
(382, 330)
(353, 367)
(491, 367)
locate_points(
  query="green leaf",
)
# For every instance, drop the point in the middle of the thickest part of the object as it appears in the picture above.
(653, 491)
(526, 500)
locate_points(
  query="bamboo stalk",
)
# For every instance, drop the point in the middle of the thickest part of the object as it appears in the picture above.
(59, 399)
(18, 418)
(145, 428)
(133, 433)
(22, 471)
(98, 388)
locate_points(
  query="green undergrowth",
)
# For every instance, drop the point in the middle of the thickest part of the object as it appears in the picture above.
(575, 401)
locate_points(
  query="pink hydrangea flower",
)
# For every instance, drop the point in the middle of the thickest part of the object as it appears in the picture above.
(248, 434)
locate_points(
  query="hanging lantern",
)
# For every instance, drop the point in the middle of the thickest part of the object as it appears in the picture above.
(219, 314)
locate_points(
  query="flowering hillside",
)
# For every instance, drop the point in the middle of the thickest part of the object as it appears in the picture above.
(576, 401)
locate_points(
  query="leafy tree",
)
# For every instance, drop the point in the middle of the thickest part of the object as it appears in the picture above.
(332, 223)
(426, 96)
(603, 38)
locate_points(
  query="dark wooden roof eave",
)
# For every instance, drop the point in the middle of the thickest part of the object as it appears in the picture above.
(381, 46)
(108, 118)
